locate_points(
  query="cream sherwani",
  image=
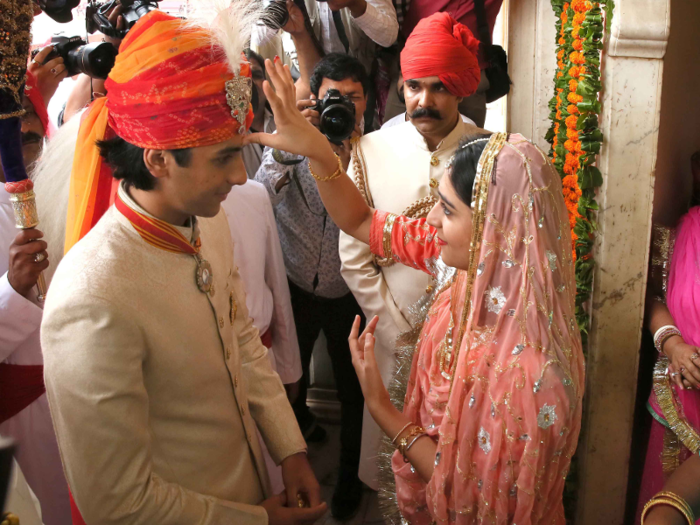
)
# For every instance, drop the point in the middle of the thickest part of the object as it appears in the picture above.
(156, 388)
(393, 168)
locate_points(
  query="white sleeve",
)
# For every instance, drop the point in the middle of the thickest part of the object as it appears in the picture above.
(19, 318)
(285, 345)
(379, 22)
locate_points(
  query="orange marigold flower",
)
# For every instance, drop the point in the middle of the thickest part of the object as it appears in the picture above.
(578, 44)
(572, 109)
(571, 121)
(579, 18)
(572, 134)
(560, 54)
(574, 98)
(562, 41)
(575, 71)
(573, 84)
(577, 57)
(564, 17)
(575, 31)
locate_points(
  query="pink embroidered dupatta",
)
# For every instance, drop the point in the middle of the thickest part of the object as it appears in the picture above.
(504, 400)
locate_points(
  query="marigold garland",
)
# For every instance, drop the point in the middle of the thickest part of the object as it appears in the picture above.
(574, 134)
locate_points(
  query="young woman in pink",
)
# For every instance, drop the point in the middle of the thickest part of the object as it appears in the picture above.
(492, 407)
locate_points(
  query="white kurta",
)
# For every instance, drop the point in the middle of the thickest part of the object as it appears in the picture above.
(258, 255)
(397, 166)
(37, 452)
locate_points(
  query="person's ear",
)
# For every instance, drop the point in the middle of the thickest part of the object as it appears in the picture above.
(459, 100)
(156, 162)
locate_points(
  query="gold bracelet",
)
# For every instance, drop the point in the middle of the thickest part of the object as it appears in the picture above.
(393, 441)
(414, 440)
(657, 500)
(678, 499)
(403, 442)
(337, 173)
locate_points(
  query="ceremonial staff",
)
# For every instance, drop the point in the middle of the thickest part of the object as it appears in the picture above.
(15, 25)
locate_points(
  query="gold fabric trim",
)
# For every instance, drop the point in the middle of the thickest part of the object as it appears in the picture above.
(662, 241)
(482, 183)
(670, 456)
(667, 402)
(386, 236)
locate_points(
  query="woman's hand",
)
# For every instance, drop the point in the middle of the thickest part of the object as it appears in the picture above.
(294, 133)
(685, 359)
(48, 74)
(362, 350)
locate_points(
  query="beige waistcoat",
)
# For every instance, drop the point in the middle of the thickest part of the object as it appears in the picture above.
(393, 169)
(155, 387)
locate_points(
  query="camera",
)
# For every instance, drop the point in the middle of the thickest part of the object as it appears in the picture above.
(337, 116)
(96, 15)
(95, 60)
(59, 10)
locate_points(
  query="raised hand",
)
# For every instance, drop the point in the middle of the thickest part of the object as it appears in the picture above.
(363, 359)
(49, 74)
(294, 133)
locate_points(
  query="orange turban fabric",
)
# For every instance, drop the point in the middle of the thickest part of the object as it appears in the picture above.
(170, 88)
(441, 47)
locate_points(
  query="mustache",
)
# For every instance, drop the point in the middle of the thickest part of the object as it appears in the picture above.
(426, 112)
(31, 137)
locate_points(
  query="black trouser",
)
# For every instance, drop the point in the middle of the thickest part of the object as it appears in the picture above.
(335, 317)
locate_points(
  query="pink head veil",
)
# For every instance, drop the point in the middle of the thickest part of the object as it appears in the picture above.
(514, 411)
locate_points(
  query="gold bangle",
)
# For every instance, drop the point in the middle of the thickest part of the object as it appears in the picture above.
(337, 173)
(683, 509)
(414, 440)
(678, 499)
(403, 442)
(393, 441)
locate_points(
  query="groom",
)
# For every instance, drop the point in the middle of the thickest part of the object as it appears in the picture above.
(155, 374)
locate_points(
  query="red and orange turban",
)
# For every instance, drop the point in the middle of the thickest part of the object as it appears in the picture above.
(170, 88)
(441, 47)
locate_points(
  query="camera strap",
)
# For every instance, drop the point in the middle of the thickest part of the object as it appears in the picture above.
(340, 28)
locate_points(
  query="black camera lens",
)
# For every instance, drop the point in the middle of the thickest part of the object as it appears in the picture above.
(96, 60)
(337, 123)
(275, 15)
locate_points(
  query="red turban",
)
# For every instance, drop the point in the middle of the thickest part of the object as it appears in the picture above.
(170, 88)
(441, 47)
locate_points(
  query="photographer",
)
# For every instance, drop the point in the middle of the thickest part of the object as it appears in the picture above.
(320, 298)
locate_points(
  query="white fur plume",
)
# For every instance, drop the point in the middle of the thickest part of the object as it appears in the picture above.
(231, 23)
(51, 177)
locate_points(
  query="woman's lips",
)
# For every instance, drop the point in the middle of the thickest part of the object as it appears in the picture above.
(441, 242)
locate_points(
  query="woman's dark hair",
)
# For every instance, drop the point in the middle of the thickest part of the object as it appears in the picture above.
(464, 164)
(126, 161)
(338, 66)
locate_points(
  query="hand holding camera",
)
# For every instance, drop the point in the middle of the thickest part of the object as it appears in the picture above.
(49, 72)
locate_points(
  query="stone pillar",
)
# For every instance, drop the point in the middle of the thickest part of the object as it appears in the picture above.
(631, 99)
(632, 75)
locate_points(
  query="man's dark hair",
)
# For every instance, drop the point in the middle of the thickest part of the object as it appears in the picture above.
(126, 161)
(252, 55)
(338, 66)
(464, 166)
